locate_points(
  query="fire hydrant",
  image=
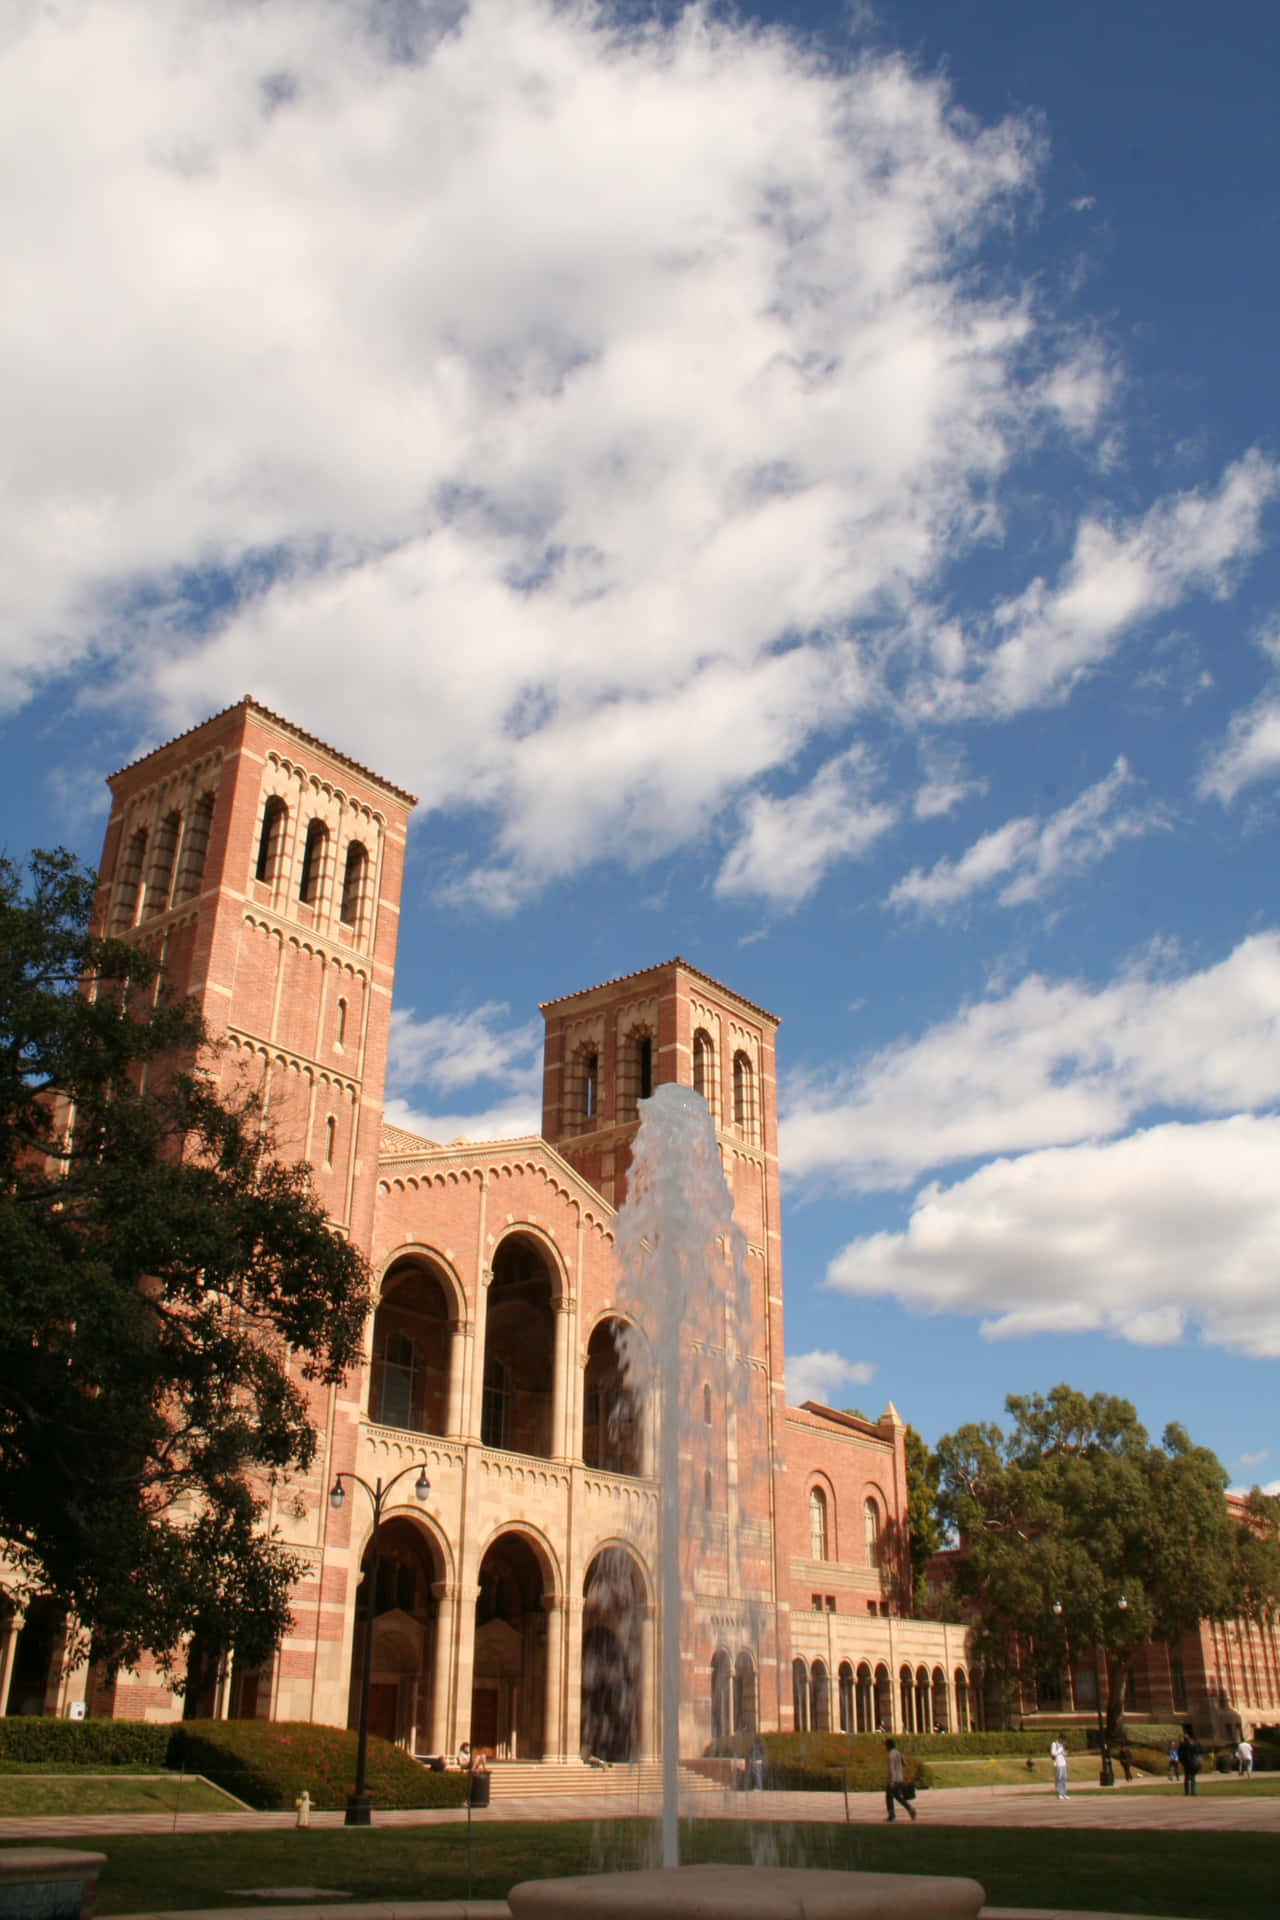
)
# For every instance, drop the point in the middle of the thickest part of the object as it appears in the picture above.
(303, 1804)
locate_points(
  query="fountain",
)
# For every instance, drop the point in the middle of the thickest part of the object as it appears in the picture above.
(677, 1244)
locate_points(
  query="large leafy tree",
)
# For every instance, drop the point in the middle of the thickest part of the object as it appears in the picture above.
(924, 1535)
(172, 1297)
(1077, 1534)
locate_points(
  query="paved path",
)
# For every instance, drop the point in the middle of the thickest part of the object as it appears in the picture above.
(1218, 1811)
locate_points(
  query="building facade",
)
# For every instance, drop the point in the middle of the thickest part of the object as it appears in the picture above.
(517, 1606)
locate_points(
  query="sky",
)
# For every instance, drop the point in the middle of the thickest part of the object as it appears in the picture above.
(796, 488)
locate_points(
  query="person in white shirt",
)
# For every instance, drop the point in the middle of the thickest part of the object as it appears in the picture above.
(1058, 1755)
(1244, 1758)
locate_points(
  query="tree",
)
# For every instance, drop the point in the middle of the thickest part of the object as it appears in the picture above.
(1078, 1537)
(173, 1295)
(924, 1536)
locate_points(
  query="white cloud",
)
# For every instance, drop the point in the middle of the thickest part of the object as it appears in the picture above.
(1253, 1459)
(1030, 857)
(1165, 1232)
(786, 845)
(1047, 638)
(1251, 750)
(449, 1051)
(1046, 1063)
(823, 1376)
(515, 1119)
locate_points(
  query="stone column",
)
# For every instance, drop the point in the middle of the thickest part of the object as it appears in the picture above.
(442, 1665)
(553, 1711)
(474, 1401)
(9, 1631)
(573, 1685)
(460, 1345)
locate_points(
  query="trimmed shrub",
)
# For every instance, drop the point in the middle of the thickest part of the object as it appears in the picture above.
(41, 1739)
(267, 1763)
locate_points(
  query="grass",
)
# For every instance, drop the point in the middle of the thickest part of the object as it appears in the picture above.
(110, 1793)
(1198, 1876)
(1010, 1770)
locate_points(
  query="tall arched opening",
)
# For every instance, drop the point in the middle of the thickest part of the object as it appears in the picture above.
(519, 1349)
(509, 1685)
(744, 1693)
(721, 1695)
(613, 1612)
(403, 1612)
(867, 1717)
(412, 1343)
(612, 1439)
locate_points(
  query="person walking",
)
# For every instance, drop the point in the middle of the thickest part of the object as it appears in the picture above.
(1058, 1755)
(896, 1788)
(1189, 1758)
(1244, 1759)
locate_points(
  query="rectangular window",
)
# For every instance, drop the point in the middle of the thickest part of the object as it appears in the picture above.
(815, 1601)
(831, 1603)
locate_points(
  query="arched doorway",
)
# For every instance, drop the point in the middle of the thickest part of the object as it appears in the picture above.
(412, 1338)
(962, 1701)
(519, 1349)
(744, 1693)
(800, 1694)
(939, 1701)
(33, 1682)
(821, 1698)
(922, 1700)
(611, 1420)
(721, 1696)
(509, 1686)
(613, 1610)
(906, 1693)
(884, 1700)
(404, 1614)
(866, 1721)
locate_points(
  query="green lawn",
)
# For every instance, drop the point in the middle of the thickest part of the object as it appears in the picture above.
(1199, 1876)
(109, 1793)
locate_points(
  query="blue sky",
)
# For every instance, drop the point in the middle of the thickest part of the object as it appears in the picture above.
(799, 489)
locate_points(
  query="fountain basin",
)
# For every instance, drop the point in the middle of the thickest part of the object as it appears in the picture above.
(715, 1892)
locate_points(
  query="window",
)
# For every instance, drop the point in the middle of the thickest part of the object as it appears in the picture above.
(130, 880)
(313, 862)
(353, 880)
(742, 1091)
(644, 1067)
(495, 1405)
(706, 1406)
(704, 1068)
(590, 1085)
(706, 1488)
(721, 1694)
(342, 1023)
(845, 1679)
(817, 1524)
(815, 1602)
(330, 1136)
(831, 1603)
(275, 816)
(393, 1382)
(160, 878)
(871, 1532)
(195, 845)
(1177, 1678)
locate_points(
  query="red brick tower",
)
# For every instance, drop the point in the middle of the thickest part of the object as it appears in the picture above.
(263, 870)
(607, 1048)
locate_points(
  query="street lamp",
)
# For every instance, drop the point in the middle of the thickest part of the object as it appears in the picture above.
(359, 1809)
(1106, 1776)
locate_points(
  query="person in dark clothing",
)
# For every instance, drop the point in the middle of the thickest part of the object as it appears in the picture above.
(896, 1787)
(1189, 1758)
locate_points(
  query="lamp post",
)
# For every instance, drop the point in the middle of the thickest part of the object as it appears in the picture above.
(359, 1809)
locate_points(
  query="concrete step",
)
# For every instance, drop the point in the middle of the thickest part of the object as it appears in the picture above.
(530, 1779)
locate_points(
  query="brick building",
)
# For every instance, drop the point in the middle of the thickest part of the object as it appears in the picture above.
(516, 1607)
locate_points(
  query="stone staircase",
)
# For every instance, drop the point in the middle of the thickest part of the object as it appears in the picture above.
(535, 1779)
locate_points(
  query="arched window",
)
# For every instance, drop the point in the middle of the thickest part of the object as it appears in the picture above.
(821, 1698)
(394, 1370)
(313, 862)
(871, 1532)
(865, 1700)
(644, 1067)
(800, 1694)
(922, 1700)
(744, 1694)
(590, 1085)
(704, 1068)
(846, 1698)
(706, 1406)
(938, 1702)
(195, 844)
(130, 883)
(353, 882)
(495, 1406)
(160, 879)
(743, 1100)
(341, 1033)
(706, 1488)
(907, 1694)
(330, 1138)
(817, 1524)
(275, 816)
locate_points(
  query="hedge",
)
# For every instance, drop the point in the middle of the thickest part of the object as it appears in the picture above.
(41, 1739)
(268, 1763)
(822, 1762)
